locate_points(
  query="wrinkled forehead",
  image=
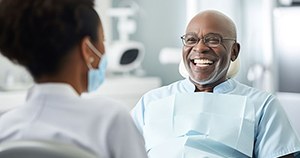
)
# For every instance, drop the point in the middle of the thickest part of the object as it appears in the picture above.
(203, 24)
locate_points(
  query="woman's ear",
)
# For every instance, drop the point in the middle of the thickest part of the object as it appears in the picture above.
(235, 51)
(85, 50)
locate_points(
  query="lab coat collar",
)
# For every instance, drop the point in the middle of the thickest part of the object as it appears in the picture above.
(224, 87)
(61, 89)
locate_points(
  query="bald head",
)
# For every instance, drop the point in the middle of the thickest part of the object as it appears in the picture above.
(215, 20)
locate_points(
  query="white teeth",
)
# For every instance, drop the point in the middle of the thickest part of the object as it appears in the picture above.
(202, 61)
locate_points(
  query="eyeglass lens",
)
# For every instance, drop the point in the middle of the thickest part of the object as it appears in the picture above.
(210, 40)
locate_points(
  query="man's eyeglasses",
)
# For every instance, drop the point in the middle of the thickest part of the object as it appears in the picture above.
(210, 40)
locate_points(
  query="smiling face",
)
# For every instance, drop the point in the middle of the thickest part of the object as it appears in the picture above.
(207, 66)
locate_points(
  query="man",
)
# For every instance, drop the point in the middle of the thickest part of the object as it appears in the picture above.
(224, 118)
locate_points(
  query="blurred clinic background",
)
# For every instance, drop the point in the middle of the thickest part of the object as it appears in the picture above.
(144, 47)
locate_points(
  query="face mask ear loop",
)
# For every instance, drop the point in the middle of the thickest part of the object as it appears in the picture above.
(92, 47)
(89, 65)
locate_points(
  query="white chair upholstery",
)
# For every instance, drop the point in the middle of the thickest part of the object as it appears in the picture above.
(41, 149)
(291, 104)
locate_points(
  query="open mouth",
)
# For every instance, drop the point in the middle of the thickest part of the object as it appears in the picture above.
(202, 62)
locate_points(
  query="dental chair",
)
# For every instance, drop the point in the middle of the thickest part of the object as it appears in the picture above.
(291, 104)
(41, 149)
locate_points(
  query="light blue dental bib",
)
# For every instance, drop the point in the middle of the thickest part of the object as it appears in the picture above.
(190, 125)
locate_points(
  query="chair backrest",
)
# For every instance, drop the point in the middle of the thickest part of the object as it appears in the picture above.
(291, 104)
(41, 149)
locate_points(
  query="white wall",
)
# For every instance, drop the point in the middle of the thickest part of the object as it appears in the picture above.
(13, 76)
(102, 7)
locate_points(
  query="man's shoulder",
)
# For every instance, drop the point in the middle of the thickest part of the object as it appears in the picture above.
(165, 91)
(243, 88)
(170, 88)
(252, 92)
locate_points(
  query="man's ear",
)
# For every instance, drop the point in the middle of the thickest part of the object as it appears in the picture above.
(235, 51)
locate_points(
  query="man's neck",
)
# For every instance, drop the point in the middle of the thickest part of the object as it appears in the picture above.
(207, 87)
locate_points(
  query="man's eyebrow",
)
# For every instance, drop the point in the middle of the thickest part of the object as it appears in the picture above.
(213, 33)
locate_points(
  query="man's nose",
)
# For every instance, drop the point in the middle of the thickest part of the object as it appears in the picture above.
(201, 46)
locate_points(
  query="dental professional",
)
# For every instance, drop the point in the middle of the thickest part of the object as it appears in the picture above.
(209, 114)
(60, 42)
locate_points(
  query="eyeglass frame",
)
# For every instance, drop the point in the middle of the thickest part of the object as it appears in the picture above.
(203, 39)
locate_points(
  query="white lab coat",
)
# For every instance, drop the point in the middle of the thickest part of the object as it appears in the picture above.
(57, 112)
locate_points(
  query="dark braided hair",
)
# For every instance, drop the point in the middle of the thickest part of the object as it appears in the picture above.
(40, 33)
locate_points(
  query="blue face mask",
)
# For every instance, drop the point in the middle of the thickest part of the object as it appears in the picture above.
(96, 76)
